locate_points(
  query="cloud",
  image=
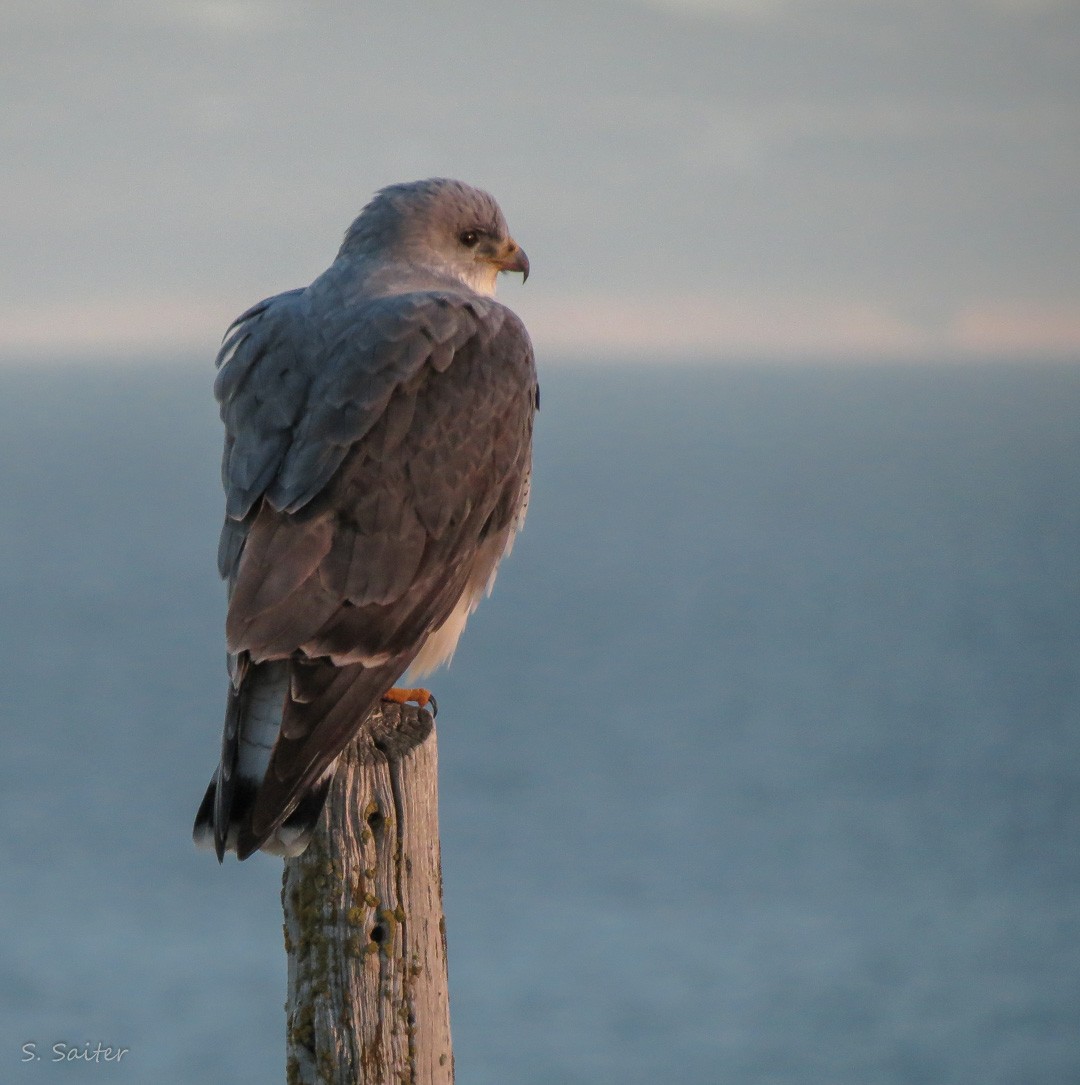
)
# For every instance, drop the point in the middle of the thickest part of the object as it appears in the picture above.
(115, 327)
(793, 177)
(770, 10)
(711, 326)
(1017, 327)
(598, 326)
(746, 10)
(791, 328)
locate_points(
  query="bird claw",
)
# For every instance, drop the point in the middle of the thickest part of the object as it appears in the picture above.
(420, 697)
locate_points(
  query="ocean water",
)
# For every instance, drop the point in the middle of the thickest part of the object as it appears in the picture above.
(762, 765)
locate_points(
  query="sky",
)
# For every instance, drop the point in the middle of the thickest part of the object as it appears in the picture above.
(716, 179)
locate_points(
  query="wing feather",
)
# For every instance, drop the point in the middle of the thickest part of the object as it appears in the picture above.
(358, 507)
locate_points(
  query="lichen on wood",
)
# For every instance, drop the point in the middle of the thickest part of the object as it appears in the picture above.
(364, 929)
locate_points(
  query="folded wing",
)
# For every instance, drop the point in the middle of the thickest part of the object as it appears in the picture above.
(376, 467)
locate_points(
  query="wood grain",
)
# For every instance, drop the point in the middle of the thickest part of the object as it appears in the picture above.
(364, 929)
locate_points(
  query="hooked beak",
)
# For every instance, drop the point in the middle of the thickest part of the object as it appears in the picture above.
(514, 259)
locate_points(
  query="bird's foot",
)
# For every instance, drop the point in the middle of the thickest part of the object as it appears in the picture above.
(421, 697)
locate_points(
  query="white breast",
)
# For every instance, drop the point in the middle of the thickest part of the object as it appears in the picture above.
(441, 642)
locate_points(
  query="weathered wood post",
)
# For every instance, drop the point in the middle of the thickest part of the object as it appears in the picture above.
(368, 1002)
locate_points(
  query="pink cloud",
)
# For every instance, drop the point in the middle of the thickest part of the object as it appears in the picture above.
(712, 325)
(120, 326)
(1011, 327)
(597, 326)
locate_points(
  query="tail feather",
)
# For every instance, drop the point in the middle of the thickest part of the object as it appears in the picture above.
(252, 722)
(289, 839)
(325, 710)
(286, 723)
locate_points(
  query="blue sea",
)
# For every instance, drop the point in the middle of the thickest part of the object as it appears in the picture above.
(761, 766)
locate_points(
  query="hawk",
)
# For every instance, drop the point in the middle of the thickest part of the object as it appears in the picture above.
(378, 434)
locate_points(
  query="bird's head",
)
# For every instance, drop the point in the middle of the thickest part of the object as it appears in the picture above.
(440, 224)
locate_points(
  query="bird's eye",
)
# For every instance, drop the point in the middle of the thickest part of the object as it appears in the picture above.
(469, 238)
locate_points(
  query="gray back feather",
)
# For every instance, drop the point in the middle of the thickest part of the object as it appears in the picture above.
(303, 378)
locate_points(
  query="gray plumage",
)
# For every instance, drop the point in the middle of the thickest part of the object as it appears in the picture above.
(377, 451)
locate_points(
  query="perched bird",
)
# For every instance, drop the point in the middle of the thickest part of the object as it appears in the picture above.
(378, 433)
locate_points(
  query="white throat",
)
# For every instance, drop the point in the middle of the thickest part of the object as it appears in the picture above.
(481, 279)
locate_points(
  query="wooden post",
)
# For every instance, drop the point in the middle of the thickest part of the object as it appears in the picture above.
(364, 931)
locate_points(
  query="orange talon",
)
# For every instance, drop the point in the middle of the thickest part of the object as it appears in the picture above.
(421, 697)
